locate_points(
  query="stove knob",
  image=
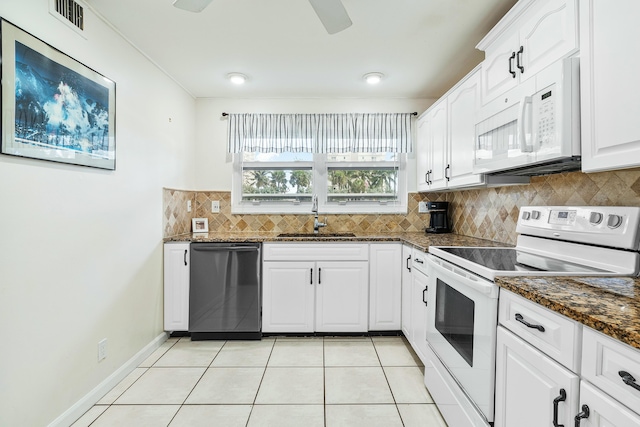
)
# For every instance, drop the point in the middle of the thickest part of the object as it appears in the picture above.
(595, 218)
(526, 215)
(535, 214)
(614, 221)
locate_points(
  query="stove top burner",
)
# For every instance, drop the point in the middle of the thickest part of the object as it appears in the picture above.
(513, 260)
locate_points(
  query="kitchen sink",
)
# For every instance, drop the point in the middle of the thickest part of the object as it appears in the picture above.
(317, 236)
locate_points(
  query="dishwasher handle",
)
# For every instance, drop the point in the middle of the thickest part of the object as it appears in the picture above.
(227, 248)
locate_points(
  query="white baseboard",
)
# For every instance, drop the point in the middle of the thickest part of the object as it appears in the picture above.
(70, 416)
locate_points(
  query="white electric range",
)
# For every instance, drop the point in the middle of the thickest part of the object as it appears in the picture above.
(463, 298)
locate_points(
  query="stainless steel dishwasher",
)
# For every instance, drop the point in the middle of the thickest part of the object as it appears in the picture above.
(225, 296)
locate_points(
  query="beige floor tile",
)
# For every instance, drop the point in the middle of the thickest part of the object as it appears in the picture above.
(350, 353)
(136, 416)
(153, 358)
(90, 416)
(394, 352)
(115, 392)
(407, 384)
(227, 386)
(356, 385)
(291, 386)
(244, 353)
(212, 415)
(161, 386)
(421, 416)
(363, 416)
(304, 352)
(287, 416)
(190, 353)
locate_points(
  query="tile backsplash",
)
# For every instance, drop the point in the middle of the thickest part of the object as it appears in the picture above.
(488, 213)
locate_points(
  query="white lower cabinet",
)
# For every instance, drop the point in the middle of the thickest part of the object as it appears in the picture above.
(418, 331)
(302, 294)
(407, 253)
(288, 296)
(176, 286)
(532, 389)
(385, 287)
(598, 409)
(342, 296)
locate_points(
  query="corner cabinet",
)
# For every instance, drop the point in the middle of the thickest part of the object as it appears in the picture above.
(385, 287)
(176, 286)
(531, 36)
(609, 84)
(315, 287)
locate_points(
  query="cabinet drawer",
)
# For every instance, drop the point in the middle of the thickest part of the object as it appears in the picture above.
(315, 252)
(603, 358)
(561, 339)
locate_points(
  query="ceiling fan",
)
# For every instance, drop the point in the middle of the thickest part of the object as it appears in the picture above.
(332, 13)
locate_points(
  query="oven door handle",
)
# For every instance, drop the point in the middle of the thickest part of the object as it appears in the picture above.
(477, 283)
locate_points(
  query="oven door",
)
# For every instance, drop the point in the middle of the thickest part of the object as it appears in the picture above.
(461, 329)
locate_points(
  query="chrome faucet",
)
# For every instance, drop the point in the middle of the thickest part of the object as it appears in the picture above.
(314, 209)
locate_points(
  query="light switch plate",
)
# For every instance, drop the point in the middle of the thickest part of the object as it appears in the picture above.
(422, 207)
(215, 206)
(188, 205)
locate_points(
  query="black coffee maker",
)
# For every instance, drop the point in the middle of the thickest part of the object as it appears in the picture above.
(438, 221)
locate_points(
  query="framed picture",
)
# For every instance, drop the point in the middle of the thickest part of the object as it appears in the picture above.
(200, 225)
(53, 107)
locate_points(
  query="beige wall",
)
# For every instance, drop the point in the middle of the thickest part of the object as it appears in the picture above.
(81, 248)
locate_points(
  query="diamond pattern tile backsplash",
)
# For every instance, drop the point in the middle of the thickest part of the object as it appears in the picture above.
(488, 213)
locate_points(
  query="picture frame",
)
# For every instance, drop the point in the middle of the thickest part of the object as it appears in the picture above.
(53, 107)
(200, 225)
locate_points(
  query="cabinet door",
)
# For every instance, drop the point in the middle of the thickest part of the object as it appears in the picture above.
(464, 104)
(406, 290)
(550, 34)
(288, 296)
(609, 84)
(342, 296)
(604, 411)
(527, 382)
(385, 287)
(423, 156)
(176, 286)
(438, 142)
(418, 338)
(499, 61)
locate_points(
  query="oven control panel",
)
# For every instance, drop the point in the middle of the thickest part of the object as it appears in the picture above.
(614, 226)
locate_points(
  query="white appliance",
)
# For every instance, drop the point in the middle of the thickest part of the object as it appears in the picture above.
(462, 321)
(534, 128)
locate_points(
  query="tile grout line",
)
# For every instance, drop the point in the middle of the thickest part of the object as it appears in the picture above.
(261, 380)
(387, 380)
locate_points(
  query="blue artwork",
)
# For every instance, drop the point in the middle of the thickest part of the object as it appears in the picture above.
(57, 108)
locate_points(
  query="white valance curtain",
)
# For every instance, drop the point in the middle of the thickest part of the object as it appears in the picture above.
(321, 133)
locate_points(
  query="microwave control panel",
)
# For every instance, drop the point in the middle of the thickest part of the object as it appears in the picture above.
(544, 116)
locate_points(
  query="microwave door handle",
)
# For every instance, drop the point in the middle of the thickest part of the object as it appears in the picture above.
(522, 118)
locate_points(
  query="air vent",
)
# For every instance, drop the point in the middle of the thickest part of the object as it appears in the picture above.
(72, 11)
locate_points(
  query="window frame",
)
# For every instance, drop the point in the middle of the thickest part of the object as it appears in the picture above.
(320, 170)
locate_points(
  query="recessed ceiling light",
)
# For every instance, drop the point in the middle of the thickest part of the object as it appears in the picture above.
(237, 78)
(373, 78)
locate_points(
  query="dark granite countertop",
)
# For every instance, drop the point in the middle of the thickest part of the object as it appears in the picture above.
(610, 305)
(418, 240)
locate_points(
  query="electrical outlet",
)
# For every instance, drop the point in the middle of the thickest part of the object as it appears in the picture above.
(102, 349)
(215, 206)
(188, 205)
(422, 207)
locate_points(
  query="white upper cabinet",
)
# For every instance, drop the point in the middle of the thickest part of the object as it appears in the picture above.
(609, 84)
(531, 36)
(445, 148)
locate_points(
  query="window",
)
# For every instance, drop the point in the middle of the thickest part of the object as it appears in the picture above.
(353, 162)
(344, 182)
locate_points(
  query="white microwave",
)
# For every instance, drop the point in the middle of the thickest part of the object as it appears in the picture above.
(533, 129)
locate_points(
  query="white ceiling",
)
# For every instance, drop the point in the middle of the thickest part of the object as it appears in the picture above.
(422, 46)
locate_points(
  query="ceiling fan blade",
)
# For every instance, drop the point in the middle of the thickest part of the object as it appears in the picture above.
(192, 5)
(332, 14)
